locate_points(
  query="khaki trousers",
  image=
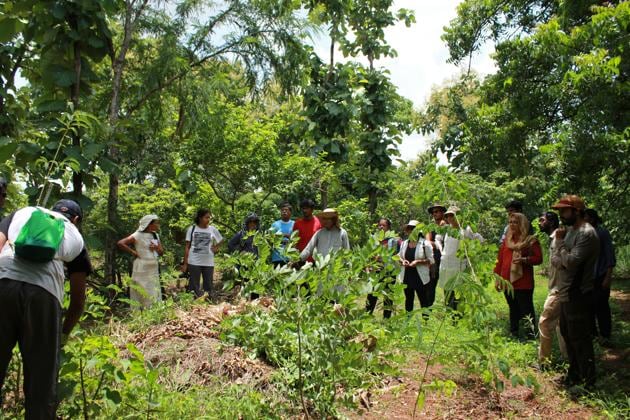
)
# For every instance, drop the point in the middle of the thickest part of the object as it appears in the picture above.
(548, 322)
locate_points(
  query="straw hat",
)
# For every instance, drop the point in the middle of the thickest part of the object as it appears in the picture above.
(452, 210)
(435, 206)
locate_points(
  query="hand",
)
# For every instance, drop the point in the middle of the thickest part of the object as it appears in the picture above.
(404, 263)
(135, 253)
(497, 286)
(184, 267)
(561, 233)
(215, 248)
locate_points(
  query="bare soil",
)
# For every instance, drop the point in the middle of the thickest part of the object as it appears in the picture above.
(396, 398)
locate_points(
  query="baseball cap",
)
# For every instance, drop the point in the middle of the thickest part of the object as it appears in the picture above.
(68, 208)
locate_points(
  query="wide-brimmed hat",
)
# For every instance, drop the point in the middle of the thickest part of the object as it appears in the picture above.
(435, 206)
(570, 201)
(452, 210)
(413, 223)
(146, 221)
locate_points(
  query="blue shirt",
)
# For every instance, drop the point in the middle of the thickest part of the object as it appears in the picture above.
(285, 228)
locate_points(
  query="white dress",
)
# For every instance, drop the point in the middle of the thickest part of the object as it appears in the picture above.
(145, 288)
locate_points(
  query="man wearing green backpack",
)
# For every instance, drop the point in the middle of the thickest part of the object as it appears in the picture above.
(35, 245)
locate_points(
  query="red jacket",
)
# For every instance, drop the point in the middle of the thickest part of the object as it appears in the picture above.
(504, 260)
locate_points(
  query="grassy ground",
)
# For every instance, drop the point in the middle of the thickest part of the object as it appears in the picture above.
(199, 376)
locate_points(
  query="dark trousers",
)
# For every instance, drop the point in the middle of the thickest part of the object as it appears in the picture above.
(521, 305)
(576, 319)
(451, 300)
(387, 302)
(31, 317)
(420, 291)
(602, 318)
(432, 285)
(196, 272)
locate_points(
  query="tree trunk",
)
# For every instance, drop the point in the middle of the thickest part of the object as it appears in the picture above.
(118, 67)
(77, 177)
(372, 200)
(324, 194)
(110, 236)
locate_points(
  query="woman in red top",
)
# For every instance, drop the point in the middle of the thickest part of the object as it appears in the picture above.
(518, 255)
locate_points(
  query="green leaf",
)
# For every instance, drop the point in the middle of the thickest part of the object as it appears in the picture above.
(58, 11)
(108, 165)
(516, 380)
(62, 77)
(9, 27)
(113, 395)
(51, 106)
(91, 150)
(421, 400)
(7, 151)
(31, 191)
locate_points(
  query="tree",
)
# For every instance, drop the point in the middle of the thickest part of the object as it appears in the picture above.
(559, 99)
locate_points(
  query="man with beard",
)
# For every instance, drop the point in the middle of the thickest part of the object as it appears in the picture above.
(574, 256)
(550, 316)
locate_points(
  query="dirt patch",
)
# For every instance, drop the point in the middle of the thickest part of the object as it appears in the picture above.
(470, 399)
(189, 345)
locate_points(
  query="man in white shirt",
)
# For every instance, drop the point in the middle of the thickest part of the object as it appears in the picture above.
(31, 299)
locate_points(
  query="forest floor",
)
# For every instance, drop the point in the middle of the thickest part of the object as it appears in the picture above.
(190, 344)
(472, 399)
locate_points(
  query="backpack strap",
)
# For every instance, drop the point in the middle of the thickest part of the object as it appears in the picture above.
(192, 232)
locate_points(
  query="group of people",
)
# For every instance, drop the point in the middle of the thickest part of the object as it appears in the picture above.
(33, 268)
(582, 258)
(423, 258)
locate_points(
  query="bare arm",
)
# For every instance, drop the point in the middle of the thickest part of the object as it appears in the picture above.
(186, 252)
(77, 301)
(3, 240)
(124, 243)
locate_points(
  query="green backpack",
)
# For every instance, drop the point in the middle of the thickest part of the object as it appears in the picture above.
(40, 237)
